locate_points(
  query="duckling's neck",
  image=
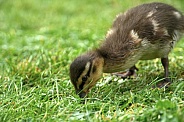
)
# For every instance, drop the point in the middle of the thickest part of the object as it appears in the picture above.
(116, 63)
(112, 66)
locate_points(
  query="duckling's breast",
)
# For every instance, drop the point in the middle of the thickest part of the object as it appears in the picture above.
(159, 49)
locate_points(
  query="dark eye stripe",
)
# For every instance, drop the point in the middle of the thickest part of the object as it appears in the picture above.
(84, 79)
(82, 85)
(88, 74)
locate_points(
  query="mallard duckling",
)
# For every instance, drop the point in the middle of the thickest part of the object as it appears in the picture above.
(145, 32)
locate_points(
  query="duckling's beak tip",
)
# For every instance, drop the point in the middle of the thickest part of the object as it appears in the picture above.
(82, 94)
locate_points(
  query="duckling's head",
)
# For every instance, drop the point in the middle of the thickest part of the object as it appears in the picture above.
(85, 71)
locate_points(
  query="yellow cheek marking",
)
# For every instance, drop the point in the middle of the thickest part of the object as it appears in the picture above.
(94, 76)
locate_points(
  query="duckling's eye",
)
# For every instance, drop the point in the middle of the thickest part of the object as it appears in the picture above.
(84, 78)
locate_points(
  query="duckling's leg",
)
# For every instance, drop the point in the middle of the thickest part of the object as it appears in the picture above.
(129, 73)
(166, 82)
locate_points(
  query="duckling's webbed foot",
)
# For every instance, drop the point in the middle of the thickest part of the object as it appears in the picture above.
(130, 72)
(166, 82)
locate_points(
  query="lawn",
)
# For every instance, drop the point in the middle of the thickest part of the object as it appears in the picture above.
(38, 41)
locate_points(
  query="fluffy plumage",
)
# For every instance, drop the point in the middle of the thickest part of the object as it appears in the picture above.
(147, 31)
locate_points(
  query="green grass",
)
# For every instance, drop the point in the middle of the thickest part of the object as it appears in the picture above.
(38, 41)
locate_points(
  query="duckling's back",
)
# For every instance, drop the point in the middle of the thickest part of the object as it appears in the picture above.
(144, 32)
